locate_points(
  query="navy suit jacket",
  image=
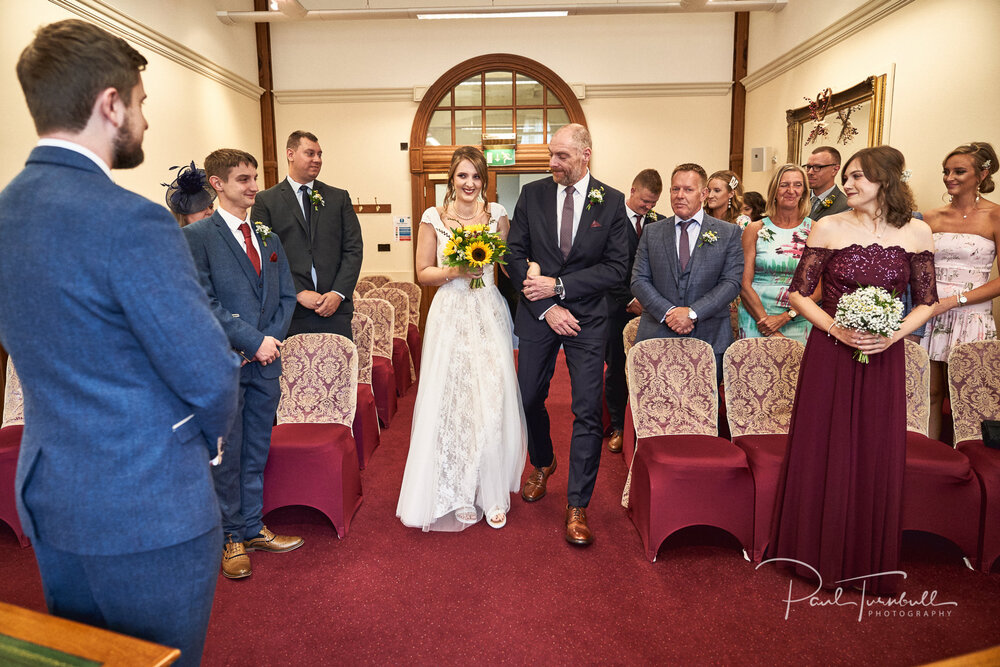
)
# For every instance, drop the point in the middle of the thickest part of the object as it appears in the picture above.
(247, 306)
(710, 283)
(128, 379)
(596, 262)
(620, 295)
(336, 247)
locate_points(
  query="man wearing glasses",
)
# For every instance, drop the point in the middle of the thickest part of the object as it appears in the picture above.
(821, 169)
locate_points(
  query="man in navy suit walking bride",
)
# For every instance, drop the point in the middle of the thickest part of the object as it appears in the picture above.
(573, 227)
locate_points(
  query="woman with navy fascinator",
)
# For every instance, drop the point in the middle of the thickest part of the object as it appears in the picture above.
(190, 197)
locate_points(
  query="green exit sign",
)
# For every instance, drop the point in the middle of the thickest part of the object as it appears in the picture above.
(499, 157)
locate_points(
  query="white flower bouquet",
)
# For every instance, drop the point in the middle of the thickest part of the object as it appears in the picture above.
(871, 309)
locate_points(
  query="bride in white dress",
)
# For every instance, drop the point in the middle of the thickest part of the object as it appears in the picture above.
(468, 440)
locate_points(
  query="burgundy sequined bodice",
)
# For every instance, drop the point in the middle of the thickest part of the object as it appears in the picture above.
(846, 269)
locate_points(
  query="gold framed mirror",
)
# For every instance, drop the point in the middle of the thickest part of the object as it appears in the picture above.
(848, 120)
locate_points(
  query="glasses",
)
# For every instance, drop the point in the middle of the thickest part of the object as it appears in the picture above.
(817, 167)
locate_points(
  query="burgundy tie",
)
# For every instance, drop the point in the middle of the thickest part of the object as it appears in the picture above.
(251, 251)
(566, 225)
(638, 225)
(684, 251)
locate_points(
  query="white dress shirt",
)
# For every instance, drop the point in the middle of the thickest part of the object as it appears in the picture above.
(579, 202)
(693, 230)
(77, 148)
(234, 226)
(303, 202)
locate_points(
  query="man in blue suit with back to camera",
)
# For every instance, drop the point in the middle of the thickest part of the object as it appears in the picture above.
(243, 268)
(129, 382)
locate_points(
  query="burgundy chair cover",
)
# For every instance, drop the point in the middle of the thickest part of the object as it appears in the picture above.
(760, 376)
(402, 362)
(383, 382)
(974, 390)
(384, 389)
(401, 365)
(941, 494)
(413, 338)
(682, 473)
(313, 459)
(10, 444)
(366, 431)
(414, 342)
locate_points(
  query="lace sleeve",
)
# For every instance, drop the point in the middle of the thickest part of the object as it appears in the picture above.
(923, 284)
(809, 270)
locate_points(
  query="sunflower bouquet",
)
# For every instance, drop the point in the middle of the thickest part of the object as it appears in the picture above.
(473, 247)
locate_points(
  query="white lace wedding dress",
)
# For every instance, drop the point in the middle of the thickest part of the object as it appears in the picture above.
(468, 440)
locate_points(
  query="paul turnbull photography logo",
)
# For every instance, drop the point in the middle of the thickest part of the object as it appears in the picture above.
(902, 605)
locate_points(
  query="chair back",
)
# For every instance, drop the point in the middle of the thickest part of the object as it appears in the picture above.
(672, 387)
(364, 286)
(363, 332)
(13, 398)
(974, 386)
(378, 280)
(629, 333)
(760, 376)
(918, 388)
(381, 314)
(319, 377)
(401, 308)
(413, 293)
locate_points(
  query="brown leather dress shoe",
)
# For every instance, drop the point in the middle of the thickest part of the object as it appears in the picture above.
(235, 561)
(534, 487)
(577, 531)
(268, 541)
(615, 442)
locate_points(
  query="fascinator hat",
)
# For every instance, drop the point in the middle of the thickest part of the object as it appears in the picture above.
(190, 192)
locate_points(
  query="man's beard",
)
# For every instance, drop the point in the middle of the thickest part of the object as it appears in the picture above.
(127, 151)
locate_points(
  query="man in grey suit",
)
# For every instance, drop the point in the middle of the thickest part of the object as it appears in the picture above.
(821, 170)
(243, 269)
(128, 380)
(688, 269)
(321, 234)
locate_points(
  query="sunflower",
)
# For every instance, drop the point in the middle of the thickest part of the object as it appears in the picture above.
(479, 253)
(449, 247)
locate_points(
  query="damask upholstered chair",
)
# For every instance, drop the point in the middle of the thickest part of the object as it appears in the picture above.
(10, 445)
(941, 494)
(760, 376)
(628, 434)
(313, 459)
(366, 432)
(382, 315)
(413, 340)
(377, 279)
(974, 387)
(402, 362)
(364, 286)
(682, 473)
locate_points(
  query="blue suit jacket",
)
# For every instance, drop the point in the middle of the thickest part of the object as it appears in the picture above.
(596, 263)
(247, 306)
(710, 283)
(110, 332)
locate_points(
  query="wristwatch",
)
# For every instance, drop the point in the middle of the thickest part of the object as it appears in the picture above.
(792, 313)
(559, 289)
(693, 315)
(962, 299)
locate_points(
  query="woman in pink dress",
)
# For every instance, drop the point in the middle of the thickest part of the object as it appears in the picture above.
(966, 232)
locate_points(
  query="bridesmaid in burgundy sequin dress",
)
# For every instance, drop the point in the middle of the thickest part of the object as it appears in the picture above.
(839, 497)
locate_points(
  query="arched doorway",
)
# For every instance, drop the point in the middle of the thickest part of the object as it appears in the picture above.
(489, 94)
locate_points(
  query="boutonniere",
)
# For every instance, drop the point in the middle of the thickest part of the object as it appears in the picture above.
(828, 202)
(708, 238)
(317, 199)
(765, 234)
(274, 257)
(264, 231)
(651, 216)
(595, 196)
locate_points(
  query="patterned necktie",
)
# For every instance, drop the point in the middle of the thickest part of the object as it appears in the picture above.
(251, 251)
(306, 207)
(566, 224)
(815, 204)
(638, 225)
(684, 250)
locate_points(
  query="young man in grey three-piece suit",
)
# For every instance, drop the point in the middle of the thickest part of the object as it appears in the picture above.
(243, 268)
(688, 268)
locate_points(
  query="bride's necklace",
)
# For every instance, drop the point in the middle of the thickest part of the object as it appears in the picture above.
(475, 213)
(966, 214)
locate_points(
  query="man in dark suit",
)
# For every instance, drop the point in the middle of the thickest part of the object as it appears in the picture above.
(129, 382)
(582, 251)
(688, 269)
(821, 170)
(320, 232)
(243, 268)
(622, 306)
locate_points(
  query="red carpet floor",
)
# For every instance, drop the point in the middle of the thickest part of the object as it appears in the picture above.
(387, 594)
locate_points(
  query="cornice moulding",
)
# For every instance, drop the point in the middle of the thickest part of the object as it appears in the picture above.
(659, 89)
(341, 95)
(120, 24)
(859, 19)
